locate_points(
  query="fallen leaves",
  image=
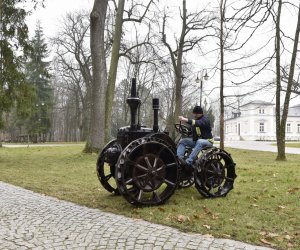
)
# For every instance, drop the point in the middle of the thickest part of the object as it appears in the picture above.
(183, 218)
(272, 235)
(227, 235)
(281, 207)
(269, 238)
(161, 209)
(293, 190)
(206, 226)
(266, 242)
(268, 234)
(215, 216)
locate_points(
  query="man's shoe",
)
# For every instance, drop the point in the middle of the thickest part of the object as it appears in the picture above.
(188, 167)
(182, 162)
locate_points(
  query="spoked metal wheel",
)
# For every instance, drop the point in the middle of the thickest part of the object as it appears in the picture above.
(146, 172)
(166, 140)
(106, 166)
(186, 177)
(186, 181)
(215, 173)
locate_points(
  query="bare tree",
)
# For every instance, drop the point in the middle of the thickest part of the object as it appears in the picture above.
(99, 80)
(264, 10)
(73, 64)
(281, 119)
(191, 23)
(222, 43)
(232, 39)
(115, 54)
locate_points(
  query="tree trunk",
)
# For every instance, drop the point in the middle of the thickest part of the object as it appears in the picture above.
(178, 97)
(281, 138)
(99, 82)
(178, 69)
(110, 92)
(221, 77)
(280, 135)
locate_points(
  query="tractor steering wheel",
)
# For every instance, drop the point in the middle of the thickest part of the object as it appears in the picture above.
(183, 129)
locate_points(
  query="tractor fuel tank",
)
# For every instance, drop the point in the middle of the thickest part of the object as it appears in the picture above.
(126, 135)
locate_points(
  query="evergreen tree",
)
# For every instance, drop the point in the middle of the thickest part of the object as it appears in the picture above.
(14, 47)
(37, 70)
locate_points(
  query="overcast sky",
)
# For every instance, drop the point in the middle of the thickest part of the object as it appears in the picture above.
(54, 10)
(52, 13)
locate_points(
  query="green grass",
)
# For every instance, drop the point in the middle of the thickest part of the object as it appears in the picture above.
(264, 206)
(290, 145)
(293, 145)
(42, 143)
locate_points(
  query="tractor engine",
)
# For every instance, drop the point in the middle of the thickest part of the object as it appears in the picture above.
(135, 130)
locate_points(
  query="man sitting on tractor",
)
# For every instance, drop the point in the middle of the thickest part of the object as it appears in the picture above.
(201, 136)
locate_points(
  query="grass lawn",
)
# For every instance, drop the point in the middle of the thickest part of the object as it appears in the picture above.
(41, 143)
(263, 208)
(290, 144)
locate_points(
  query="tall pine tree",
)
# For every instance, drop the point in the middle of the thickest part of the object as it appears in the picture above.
(14, 47)
(38, 76)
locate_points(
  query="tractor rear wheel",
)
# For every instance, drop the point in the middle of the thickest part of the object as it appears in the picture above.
(147, 172)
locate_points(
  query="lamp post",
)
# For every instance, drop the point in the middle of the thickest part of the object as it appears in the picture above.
(205, 77)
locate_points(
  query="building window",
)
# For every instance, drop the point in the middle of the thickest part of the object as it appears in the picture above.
(298, 127)
(288, 128)
(261, 111)
(261, 127)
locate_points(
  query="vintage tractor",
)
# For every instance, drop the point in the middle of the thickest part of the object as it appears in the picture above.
(141, 164)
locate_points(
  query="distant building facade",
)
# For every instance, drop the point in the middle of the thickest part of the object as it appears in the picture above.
(255, 121)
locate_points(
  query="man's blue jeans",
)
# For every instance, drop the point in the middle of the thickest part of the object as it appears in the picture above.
(195, 145)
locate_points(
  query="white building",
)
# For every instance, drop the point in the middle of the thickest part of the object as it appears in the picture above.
(255, 121)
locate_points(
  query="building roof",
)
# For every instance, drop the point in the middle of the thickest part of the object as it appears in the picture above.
(258, 102)
(294, 111)
(296, 106)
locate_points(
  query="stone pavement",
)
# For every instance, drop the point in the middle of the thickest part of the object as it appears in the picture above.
(32, 221)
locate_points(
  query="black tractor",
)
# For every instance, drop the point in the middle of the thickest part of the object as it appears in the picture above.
(142, 166)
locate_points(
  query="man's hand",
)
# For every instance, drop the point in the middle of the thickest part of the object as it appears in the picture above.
(183, 119)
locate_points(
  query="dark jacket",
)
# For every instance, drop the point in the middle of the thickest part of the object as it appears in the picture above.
(201, 128)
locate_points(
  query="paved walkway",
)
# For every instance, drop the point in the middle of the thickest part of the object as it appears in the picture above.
(260, 146)
(32, 221)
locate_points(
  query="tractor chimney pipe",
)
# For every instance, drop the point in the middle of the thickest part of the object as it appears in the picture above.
(134, 102)
(155, 106)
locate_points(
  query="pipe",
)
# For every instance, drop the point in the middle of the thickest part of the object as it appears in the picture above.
(134, 103)
(155, 106)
